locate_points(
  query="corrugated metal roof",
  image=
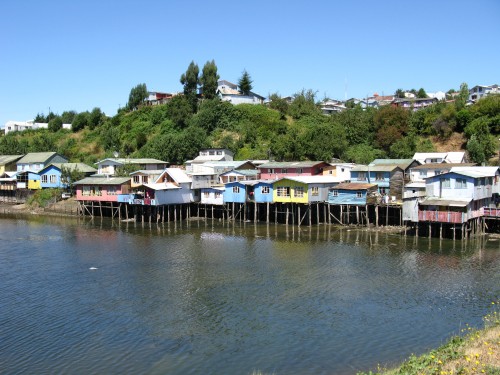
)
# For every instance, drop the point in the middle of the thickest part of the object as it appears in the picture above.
(103, 181)
(161, 186)
(402, 163)
(375, 168)
(475, 172)
(148, 172)
(443, 165)
(36, 157)
(445, 202)
(72, 166)
(233, 164)
(314, 179)
(6, 159)
(178, 175)
(290, 164)
(354, 186)
(134, 161)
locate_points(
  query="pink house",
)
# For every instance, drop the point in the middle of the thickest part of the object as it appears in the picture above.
(103, 189)
(276, 170)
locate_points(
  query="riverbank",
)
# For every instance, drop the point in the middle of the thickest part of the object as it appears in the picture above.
(476, 352)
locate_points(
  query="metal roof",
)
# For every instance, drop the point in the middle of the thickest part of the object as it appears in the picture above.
(148, 171)
(6, 159)
(133, 161)
(375, 168)
(443, 165)
(314, 179)
(475, 172)
(72, 166)
(354, 186)
(445, 202)
(290, 164)
(402, 163)
(36, 157)
(103, 181)
(178, 175)
(161, 186)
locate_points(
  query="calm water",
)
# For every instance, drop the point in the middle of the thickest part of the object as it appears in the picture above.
(212, 298)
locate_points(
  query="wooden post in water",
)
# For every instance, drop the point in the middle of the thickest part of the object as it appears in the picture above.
(175, 212)
(430, 229)
(387, 214)
(287, 213)
(341, 219)
(255, 212)
(267, 212)
(309, 212)
(275, 213)
(317, 213)
(376, 215)
(298, 208)
(441, 231)
(357, 215)
(367, 217)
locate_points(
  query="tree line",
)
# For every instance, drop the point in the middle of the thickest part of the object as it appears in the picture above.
(281, 130)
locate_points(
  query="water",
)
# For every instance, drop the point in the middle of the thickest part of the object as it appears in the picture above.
(213, 298)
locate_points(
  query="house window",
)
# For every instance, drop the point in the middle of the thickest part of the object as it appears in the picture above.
(383, 190)
(300, 171)
(86, 191)
(44, 179)
(284, 170)
(144, 179)
(362, 176)
(112, 190)
(218, 194)
(137, 179)
(460, 183)
(283, 191)
(379, 176)
(359, 194)
(438, 172)
(335, 193)
(219, 152)
(264, 189)
(236, 189)
(206, 194)
(53, 178)
(298, 192)
(445, 182)
(315, 191)
(271, 170)
(422, 174)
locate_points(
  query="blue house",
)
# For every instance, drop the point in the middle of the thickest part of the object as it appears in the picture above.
(259, 191)
(352, 194)
(50, 176)
(263, 191)
(236, 192)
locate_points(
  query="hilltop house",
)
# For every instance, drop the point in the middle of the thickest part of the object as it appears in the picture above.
(230, 92)
(479, 91)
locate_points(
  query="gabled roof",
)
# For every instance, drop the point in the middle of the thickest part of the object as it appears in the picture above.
(6, 159)
(354, 186)
(178, 175)
(161, 186)
(228, 164)
(72, 166)
(401, 163)
(443, 165)
(291, 164)
(314, 179)
(242, 172)
(133, 161)
(475, 172)
(103, 181)
(375, 168)
(36, 157)
(448, 157)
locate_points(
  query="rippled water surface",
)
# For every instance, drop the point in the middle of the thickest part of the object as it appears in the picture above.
(213, 298)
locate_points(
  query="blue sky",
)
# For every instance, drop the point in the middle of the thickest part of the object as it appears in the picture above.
(77, 55)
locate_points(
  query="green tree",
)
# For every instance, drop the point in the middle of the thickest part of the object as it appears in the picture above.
(70, 175)
(279, 104)
(303, 104)
(399, 93)
(391, 124)
(209, 80)
(67, 117)
(55, 124)
(179, 110)
(245, 83)
(190, 81)
(137, 96)
(80, 121)
(96, 118)
(421, 94)
(478, 133)
(463, 96)
(363, 153)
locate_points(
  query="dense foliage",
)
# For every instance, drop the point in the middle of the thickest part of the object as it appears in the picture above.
(282, 131)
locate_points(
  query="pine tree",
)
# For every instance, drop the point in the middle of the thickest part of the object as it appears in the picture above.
(209, 80)
(245, 83)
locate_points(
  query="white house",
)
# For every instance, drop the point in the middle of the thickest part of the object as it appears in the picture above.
(479, 91)
(440, 157)
(230, 92)
(110, 165)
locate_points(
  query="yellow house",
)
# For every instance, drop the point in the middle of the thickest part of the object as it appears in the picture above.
(303, 189)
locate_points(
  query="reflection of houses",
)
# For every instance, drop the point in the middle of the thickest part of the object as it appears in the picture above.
(275, 170)
(109, 166)
(50, 176)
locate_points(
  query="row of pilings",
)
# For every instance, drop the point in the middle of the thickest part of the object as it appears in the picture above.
(278, 213)
(294, 214)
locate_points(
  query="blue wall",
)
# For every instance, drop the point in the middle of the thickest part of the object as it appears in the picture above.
(229, 196)
(262, 198)
(52, 170)
(347, 197)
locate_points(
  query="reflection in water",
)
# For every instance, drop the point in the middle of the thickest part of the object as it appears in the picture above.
(212, 297)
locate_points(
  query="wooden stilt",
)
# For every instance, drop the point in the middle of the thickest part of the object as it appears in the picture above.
(317, 213)
(309, 215)
(287, 213)
(298, 209)
(376, 215)
(267, 212)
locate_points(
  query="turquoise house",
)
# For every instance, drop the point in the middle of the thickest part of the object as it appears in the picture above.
(259, 191)
(352, 194)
